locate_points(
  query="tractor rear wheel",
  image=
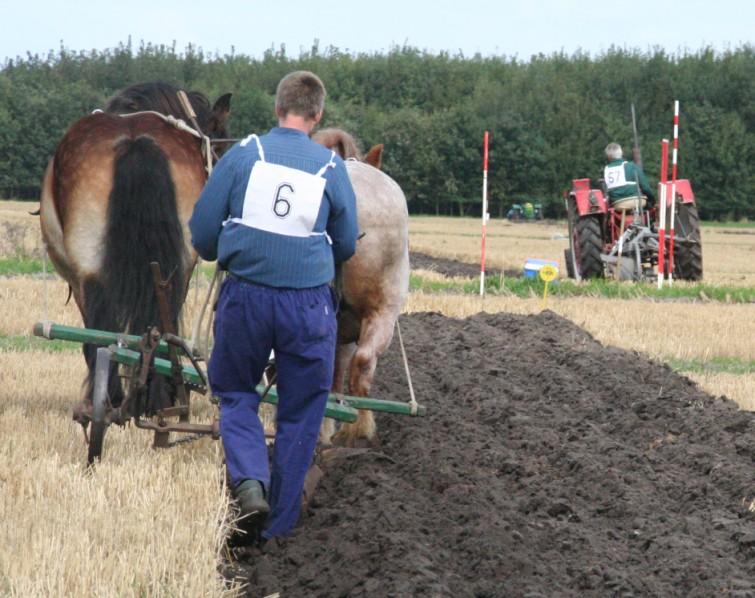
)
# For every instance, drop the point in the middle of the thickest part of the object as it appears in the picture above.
(587, 245)
(688, 253)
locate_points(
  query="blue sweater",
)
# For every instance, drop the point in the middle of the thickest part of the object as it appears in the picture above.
(265, 257)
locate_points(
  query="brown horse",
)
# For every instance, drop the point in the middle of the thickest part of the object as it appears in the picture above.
(117, 195)
(346, 146)
(374, 282)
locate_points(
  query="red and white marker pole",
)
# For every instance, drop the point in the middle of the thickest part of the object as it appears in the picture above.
(484, 210)
(662, 188)
(673, 195)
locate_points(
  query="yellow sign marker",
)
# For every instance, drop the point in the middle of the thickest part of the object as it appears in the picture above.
(548, 273)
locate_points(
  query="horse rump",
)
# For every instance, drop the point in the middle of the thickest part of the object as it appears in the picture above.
(142, 227)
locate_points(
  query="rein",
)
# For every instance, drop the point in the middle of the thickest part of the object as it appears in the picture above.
(207, 152)
(206, 141)
(202, 342)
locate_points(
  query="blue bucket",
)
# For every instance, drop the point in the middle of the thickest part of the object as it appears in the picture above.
(532, 266)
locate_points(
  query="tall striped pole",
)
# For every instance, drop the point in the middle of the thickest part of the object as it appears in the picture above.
(662, 189)
(673, 195)
(484, 210)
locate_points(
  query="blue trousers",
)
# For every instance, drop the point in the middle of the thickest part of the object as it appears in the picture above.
(300, 325)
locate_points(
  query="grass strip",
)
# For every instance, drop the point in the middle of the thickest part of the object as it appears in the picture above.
(611, 289)
(24, 344)
(17, 265)
(741, 224)
(717, 365)
(21, 265)
(490, 235)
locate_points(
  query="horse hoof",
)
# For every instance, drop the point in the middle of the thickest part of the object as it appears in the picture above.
(82, 413)
(345, 440)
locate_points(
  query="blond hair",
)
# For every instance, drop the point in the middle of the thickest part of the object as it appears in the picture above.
(301, 93)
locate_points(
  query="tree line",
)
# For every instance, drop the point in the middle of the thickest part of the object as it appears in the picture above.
(549, 117)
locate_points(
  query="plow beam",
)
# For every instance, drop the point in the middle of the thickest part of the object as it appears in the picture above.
(100, 338)
(341, 412)
(381, 405)
(341, 407)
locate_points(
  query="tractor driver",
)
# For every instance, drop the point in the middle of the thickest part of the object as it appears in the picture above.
(278, 213)
(621, 178)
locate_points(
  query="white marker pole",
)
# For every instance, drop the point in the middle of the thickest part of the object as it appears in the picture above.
(484, 210)
(673, 196)
(662, 189)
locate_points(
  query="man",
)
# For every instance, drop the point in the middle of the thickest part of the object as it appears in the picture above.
(621, 179)
(278, 213)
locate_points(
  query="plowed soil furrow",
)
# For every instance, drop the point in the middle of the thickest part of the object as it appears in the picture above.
(547, 465)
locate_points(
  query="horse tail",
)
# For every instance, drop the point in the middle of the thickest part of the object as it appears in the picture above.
(142, 226)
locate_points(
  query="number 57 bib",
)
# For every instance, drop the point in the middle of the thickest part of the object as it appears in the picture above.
(614, 176)
(282, 200)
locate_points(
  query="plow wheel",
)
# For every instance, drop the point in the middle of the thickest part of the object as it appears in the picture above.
(585, 246)
(98, 424)
(628, 269)
(688, 253)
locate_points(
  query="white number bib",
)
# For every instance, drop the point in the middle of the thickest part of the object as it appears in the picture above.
(282, 200)
(615, 176)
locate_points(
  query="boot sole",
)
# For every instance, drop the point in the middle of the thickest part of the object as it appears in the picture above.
(254, 518)
(248, 530)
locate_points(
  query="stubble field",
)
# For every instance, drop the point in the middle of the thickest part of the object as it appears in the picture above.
(148, 523)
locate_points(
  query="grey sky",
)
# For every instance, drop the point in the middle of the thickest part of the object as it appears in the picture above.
(485, 26)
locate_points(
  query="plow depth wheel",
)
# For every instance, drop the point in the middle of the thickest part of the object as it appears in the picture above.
(688, 253)
(628, 268)
(98, 424)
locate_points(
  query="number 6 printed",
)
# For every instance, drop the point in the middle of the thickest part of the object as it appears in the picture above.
(281, 204)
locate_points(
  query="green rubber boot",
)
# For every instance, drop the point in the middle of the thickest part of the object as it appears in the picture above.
(251, 498)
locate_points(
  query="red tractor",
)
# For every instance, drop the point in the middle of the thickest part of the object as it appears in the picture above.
(624, 244)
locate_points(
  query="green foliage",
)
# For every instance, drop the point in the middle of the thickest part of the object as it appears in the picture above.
(549, 118)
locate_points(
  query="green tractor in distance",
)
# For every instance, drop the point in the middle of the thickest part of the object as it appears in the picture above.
(527, 211)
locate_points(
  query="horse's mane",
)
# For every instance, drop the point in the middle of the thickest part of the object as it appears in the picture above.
(346, 146)
(160, 97)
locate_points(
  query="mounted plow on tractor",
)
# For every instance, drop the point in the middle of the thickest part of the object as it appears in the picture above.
(628, 240)
(625, 244)
(164, 357)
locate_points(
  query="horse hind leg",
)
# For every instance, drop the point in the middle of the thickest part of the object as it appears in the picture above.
(95, 315)
(376, 334)
(344, 353)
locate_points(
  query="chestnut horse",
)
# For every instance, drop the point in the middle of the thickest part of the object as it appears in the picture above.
(117, 195)
(374, 283)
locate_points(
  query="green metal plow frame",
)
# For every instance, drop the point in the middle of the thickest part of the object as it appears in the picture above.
(340, 407)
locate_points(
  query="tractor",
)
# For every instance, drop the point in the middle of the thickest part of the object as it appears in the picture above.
(526, 211)
(623, 243)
